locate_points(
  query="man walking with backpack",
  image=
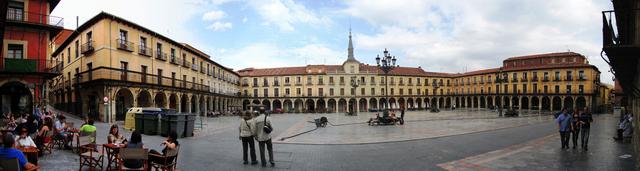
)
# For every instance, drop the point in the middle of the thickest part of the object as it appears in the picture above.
(585, 121)
(262, 133)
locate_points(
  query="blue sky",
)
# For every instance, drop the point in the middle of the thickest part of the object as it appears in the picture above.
(440, 36)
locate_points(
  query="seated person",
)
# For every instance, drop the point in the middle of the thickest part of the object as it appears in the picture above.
(170, 147)
(89, 129)
(24, 140)
(393, 118)
(61, 130)
(115, 136)
(8, 152)
(44, 135)
(375, 119)
(136, 142)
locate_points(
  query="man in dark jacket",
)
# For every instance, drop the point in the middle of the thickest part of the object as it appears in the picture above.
(585, 121)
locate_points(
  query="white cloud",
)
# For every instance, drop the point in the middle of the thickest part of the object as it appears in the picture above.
(265, 55)
(167, 17)
(285, 13)
(213, 15)
(220, 26)
(452, 35)
(245, 19)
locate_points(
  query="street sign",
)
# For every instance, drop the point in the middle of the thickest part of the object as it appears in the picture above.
(106, 99)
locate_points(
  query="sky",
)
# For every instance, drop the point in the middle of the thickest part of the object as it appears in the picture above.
(439, 36)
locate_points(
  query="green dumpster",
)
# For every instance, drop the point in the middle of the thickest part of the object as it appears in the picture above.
(139, 122)
(173, 122)
(189, 124)
(150, 124)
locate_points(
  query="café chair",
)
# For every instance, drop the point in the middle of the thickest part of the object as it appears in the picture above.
(169, 161)
(89, 155)
(133, 154)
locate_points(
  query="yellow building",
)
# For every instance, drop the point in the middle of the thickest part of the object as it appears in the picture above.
(110, 58)
(536, 82)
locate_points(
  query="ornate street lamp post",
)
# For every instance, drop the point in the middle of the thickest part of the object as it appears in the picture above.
(354, 85)
(498, 82)
(387, 63)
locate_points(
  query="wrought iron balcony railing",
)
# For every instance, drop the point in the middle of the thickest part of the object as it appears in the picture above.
(87, 48)
(144, 50)
(30, 66)
(123, 44)
(19, 15)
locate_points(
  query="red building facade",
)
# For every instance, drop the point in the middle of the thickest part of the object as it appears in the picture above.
(25, 59)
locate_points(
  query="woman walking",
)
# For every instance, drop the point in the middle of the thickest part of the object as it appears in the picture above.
(575, 128)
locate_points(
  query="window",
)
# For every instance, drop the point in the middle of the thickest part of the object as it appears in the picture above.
(69, 55)
(342, 91)
(546, 89)
(143, 69)
(276, 92)
(15, 51)
(123, 71)
(15, 11)
(362, 91)
(557, 76)
(298, 91)
(392, 92)
(330, 80)
(287, 92)
(173, 79)
(568, 89)
(581, 75)
(320, 81)
(89, 68)
(557, 89)
(265, 92)
(524, 88)
(159, 76)
(330, 91)
(255, 82)
(581, 89)
(77, 46)
(276, 81)
(373, 91)
(123, 37)
(569, 75)
(309, 92)
(309, 81)
(173, 55)
(286, 80)
(535, 88)
(255, 92)
(298, 80)
(159, 50)
(320, 92)
(143, 44)
(341, 80)
(546, 76)
(89, 38)
(265, 82)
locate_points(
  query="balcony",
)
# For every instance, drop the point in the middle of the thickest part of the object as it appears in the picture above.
(186, 64)
(125, 45)
(524, 80)
(20, 16)
(31, 66)
(194, 67)
(161, 56)
(87, 48)
(174, 60)
(621, 41)
(534, 79)
(545, 79)
(569, 79)
(514, 80)
(144, 50)
(556, 79)
(582, 78)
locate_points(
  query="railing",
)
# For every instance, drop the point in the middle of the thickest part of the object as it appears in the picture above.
(524, 79)
(556, 79)
(114, 74)
(18, 15)
(545, 79)
(619, 27)
(186, 63)
(534, 79)
(514, 80)
(194, 67)
(87, 48)
(569, 79)
(144, 50)
(175, 60)
(582, 78)
(125, 45)
(31, 66)
(161, 56)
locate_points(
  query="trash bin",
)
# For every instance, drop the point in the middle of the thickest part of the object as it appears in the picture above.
(139, 122)
(150, 123)
(164, 121)
(190, 120)
(130, 118)
(173, 122)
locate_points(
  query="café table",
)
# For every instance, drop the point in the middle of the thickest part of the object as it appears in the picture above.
(112, 151)
(31, 153)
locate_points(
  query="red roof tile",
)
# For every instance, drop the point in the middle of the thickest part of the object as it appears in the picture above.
(61, 37)
(557, 54)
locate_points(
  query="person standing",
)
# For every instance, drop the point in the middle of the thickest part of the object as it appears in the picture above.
(263, 137)
(246, 135)
(585, 121)
(564, 125)
(575, 128)
(402, 117)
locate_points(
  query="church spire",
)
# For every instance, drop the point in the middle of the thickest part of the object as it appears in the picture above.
(350, 56)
